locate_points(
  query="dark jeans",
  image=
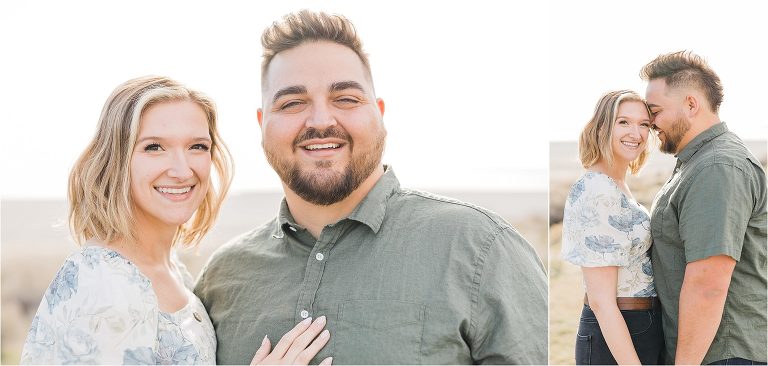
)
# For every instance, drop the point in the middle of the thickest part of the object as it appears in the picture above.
(736, 361)
(644, 328)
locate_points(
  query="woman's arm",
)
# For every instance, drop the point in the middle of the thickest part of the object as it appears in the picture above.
(601, 291)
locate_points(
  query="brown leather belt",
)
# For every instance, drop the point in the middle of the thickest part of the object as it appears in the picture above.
(633, 303)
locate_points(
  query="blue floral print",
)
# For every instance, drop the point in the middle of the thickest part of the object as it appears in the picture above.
(64, 285)
(602, 227)
(101, 309)
(138, 356)
(601, 243)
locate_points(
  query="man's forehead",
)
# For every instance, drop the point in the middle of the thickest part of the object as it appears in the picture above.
(315, 64)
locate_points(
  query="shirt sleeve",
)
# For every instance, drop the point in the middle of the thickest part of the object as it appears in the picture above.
(92, 314)
(509, 305)
(715, 211)
(597, 224)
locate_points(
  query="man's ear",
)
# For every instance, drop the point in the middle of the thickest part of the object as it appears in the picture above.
(380, 103)
(692, 105)
(259, 116)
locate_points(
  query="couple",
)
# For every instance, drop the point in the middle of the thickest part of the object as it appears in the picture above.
(370, 271)
(687, 282)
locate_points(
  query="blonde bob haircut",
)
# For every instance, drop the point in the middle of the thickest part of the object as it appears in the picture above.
(595, 140)
(100, 199)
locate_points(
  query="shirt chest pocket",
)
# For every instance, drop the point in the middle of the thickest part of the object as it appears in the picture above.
(379, 332)
(664, 220)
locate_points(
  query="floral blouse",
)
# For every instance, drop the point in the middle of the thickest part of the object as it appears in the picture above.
(101, 310)
(603, 227)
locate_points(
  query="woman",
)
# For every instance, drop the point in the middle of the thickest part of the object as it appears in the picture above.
(607, 233)
(142, 186)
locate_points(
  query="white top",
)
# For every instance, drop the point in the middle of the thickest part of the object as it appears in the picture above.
(603, 227)
(100, 309)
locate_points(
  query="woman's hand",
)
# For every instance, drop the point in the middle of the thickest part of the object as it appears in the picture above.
(297, 347)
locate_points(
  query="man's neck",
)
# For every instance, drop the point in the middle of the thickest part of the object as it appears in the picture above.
(697, 127)
(315, 217)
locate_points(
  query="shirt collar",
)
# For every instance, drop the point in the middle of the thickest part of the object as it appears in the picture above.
(373, 207)
(699, 141)
(370, 211)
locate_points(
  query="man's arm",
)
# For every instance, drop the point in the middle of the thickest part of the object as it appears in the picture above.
(509, 317)
(702, 300)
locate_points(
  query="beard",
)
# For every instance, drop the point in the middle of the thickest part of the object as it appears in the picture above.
(674, 135)
(323, 185)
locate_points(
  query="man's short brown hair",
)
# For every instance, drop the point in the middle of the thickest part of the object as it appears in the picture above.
(307, 26)
(685, 69)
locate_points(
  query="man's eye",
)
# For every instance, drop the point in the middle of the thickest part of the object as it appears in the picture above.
(348, 100)
(153, 147)
(290, 105)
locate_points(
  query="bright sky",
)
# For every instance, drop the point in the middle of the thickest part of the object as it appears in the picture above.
(475, 90)
(602, 46)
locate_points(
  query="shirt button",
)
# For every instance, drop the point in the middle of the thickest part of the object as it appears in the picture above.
(319, 256)
(304, 314)
(292, 228)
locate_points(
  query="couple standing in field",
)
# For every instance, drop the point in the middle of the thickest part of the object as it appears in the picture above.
(372, 273)
(685, 283)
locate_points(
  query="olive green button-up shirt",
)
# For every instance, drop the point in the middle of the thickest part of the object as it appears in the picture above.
(407, 278)
(714, 204)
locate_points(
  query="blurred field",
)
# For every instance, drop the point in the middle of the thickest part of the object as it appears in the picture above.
(566, 291)
(35, 243)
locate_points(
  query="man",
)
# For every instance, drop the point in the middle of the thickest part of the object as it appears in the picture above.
(401, 276)
(708, 221)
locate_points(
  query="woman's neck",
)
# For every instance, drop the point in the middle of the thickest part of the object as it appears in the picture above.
(617, 171)
(151, 246)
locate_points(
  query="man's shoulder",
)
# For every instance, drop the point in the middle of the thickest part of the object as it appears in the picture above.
(727, 149)
(421, 206)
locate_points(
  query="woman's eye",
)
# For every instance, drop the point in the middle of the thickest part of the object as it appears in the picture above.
(202, 147)
(623, 122)
(646, 125)
(153, 147)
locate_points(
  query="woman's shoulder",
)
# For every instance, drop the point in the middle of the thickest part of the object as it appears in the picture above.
(592, 183)
(97, 276)
(98, 301)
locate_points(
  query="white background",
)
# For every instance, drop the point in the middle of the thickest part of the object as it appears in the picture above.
(475, 90)
(455, 78)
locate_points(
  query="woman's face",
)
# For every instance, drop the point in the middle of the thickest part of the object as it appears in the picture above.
(630, 131)
(171, 163)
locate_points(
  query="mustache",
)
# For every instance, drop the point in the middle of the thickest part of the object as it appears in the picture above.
(313, 133)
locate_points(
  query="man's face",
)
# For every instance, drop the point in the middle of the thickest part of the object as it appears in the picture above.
(669, 121)
(322, 127)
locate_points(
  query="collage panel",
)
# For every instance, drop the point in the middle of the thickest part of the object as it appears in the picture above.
(648, 188)
(377, 210)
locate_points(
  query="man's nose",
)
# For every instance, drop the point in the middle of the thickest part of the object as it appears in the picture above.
(320, 117)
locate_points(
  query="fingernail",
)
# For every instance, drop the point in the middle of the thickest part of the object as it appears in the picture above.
(264, 341)
(325, 334)
(307, 321)
(320, 320)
